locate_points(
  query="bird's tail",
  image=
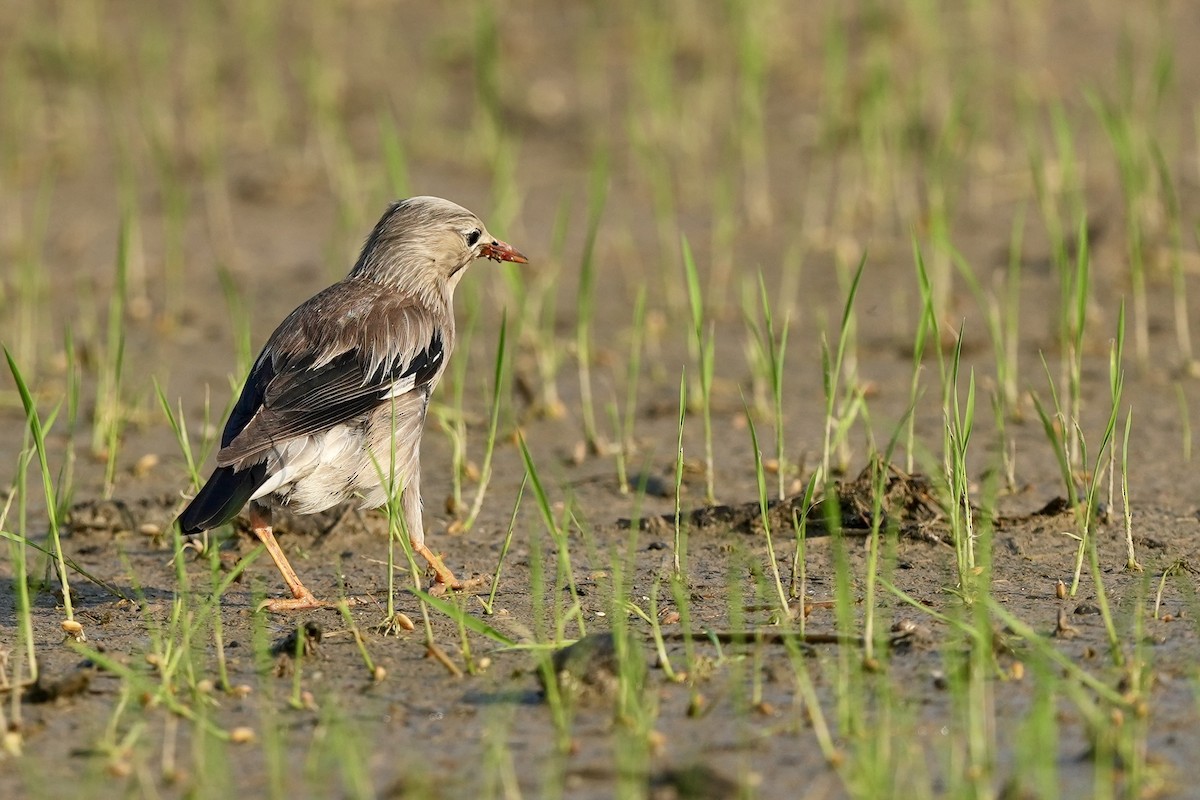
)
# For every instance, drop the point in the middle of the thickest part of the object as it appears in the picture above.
(221, 498)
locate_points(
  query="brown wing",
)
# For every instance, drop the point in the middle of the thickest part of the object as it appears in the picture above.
(334, 359)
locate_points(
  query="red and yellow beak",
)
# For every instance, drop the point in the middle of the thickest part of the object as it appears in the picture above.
(498, 251)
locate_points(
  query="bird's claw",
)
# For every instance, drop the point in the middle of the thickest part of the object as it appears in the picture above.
(281, 605)
(441, 587)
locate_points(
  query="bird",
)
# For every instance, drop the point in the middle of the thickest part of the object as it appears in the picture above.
(334, 405)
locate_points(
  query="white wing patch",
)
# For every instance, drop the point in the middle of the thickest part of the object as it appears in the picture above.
(402, 386)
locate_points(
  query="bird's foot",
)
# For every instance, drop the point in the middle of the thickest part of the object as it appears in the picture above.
(441, 587)
(444, 579)
(303, 602)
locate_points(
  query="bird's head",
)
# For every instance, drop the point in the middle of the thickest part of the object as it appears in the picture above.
(424, 244)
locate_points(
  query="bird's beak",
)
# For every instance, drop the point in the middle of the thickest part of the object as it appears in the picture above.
(498, 251)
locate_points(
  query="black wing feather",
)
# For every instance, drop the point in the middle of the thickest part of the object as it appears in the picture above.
(250, 400)
(289, 399)
(221, 498)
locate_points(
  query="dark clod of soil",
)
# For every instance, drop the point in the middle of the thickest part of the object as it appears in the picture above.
(694, 782)
(303, 639)
(589, 669)
(70, 685)
(906, 503)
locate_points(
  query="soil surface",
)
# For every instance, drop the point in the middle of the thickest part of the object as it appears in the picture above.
(427, 725)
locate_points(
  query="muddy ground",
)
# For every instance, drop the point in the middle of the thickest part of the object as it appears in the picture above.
(426, 729)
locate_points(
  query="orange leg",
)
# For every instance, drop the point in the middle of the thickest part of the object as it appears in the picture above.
(410, 500)
(301, 598)
(444, 575)
(445, 578)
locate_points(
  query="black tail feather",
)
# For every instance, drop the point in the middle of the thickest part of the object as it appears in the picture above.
(221, 498)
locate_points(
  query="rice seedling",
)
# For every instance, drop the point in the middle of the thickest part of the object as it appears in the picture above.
(557, 703)
(564, 575)
(18, 553)
(679, 548)
(1085, 507)
(585, 303)
(960, 423)
(839, 417)
(623, 421)
(31, 281)
(452, 417)
(534, 322)
(1120, 120)
(490, 603)
(927, 323)
(751, 23)
(772, 350)
(1170, 203)
(178, 425)
(109, 417)
(1185, 418)
(764, 511)
(798, 589)
(702, 347)
(54, 511)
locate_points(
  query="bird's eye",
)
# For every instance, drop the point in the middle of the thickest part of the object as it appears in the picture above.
(473, 238)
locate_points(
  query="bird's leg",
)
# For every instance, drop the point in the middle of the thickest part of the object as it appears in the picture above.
(302, 598)
(410, 499)
(444, 575)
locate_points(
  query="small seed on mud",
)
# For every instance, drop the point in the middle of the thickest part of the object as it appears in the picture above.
(403, 622)
(1060, 591)
(149, 529)
(242, 690)
(145, 465)
(242, 735)
(1017, 670)
(697, 705)
(379, 675)
(205, 686)
(74, 630)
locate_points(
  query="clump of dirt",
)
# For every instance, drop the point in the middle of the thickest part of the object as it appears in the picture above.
(906, 503)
